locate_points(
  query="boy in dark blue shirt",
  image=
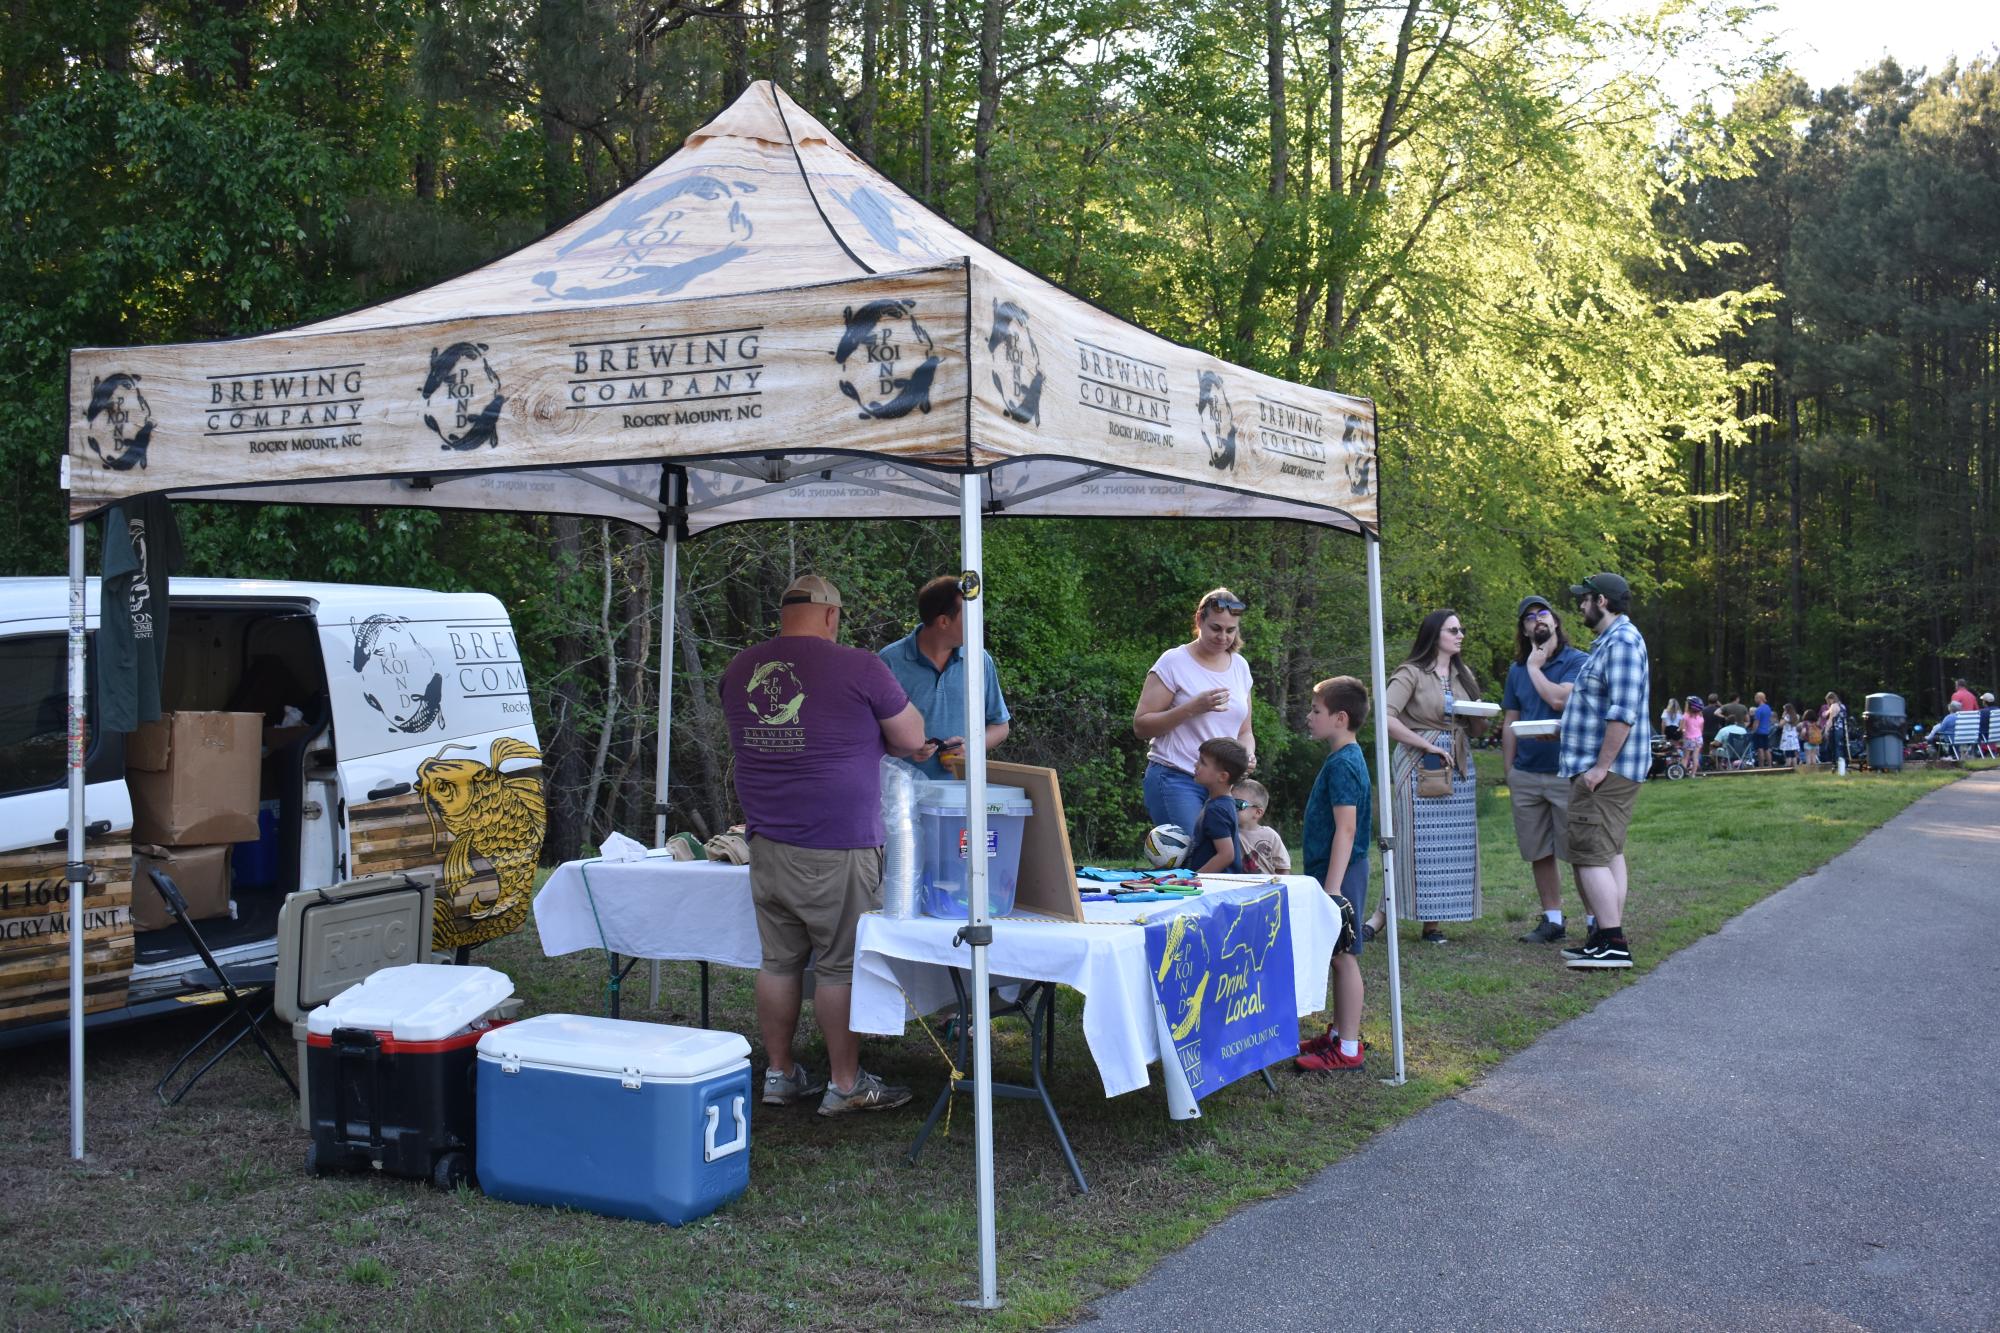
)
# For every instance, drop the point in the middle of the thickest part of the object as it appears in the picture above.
(1214, 843)
(1338, 825)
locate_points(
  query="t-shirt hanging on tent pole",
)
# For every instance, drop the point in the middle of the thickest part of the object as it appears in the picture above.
(141, 548)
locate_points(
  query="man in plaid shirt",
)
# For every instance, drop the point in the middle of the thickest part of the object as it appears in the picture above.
(1607, 748)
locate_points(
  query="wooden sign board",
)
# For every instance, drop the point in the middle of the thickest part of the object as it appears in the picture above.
(1047, 886)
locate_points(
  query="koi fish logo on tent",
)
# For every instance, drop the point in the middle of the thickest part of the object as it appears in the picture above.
(460, 378)
(651, 242)
(126, 430)
(881, 337)
(1218, 422)
(1013, 339)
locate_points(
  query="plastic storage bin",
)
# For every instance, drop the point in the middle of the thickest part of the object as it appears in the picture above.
(611, 1116)
(941, 819)
(391, 1064)
(254, 864)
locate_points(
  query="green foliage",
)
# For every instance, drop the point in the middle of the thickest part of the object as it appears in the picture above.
(1847, 539)
(1469, 217)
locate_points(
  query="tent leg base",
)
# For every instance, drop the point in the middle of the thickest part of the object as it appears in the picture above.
(1396, 1082)
(995, 1304)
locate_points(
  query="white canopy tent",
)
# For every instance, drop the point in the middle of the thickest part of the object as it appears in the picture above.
(763, 327)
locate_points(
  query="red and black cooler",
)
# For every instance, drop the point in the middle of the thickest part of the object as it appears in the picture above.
(391, 1065)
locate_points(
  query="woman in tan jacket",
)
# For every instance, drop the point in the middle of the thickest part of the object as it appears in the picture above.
(1437, 877)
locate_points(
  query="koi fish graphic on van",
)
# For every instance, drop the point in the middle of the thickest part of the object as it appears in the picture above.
(496, 816)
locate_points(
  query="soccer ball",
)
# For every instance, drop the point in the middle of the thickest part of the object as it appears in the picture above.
(1166, 845)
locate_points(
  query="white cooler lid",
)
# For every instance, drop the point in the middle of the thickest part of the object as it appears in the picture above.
(417, 1002)
(948, 798)
(614, 1045)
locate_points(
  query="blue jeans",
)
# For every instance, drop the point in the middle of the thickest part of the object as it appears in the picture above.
(1174, 797)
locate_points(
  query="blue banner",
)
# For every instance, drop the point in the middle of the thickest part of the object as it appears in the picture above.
(1222, 971)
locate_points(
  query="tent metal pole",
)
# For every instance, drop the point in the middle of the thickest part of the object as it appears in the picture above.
(77, 872)
(670, 574)
(978, 931)
(1385, 831)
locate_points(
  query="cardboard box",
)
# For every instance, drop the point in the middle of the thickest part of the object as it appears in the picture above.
(194, 778)
(200, 873)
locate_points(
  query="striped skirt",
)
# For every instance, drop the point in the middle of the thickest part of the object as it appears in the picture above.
(1437, 860)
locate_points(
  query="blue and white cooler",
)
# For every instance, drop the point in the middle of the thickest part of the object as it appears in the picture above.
(627, 1119)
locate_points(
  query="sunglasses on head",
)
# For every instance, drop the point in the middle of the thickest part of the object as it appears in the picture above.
(1229, 604)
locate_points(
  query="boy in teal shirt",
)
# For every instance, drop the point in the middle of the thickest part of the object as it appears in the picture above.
(1337, 827)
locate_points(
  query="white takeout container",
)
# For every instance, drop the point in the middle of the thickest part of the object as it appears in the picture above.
(1532, 730)
(1474, 708)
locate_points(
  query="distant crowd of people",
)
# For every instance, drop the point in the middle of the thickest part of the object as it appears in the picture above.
(1715, 735)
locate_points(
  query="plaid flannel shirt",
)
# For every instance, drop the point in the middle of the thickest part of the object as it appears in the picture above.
(1615, 685)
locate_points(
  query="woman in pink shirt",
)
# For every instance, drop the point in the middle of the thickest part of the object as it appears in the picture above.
(1691, 734)
(1194, 692)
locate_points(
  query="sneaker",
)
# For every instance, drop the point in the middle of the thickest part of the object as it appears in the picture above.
(1325, 1041)
(869, 1093)
(1606, 953)
(1576, 951)
(1545, 932)
(790, 1089)
(1432, 935)
(1367, 932)
(1332, 1061)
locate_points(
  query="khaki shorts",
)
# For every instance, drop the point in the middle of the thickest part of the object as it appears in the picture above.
(1541, 814)
(1598, 819)
(808, 901)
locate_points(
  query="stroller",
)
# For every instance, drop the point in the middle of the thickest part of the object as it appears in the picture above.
(1667, 758)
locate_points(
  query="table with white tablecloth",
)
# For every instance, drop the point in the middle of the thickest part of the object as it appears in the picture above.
(652, 907)
(905, 966)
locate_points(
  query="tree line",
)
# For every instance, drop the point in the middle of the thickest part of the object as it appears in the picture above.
(1743, 358)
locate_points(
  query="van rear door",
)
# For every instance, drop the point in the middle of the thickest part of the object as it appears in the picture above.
(440, 765)
(34, 819)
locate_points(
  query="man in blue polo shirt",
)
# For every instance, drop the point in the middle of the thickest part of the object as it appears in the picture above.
(1538, 684)
(929, 663)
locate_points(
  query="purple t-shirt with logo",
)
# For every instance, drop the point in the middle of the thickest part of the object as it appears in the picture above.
(805, 719)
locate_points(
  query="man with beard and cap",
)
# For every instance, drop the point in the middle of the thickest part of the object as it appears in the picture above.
(1607, 749)
(1538, 685)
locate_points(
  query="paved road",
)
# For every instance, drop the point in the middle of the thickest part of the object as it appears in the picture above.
(1793, 1124)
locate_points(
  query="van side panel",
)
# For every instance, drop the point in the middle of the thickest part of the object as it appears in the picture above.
(439, 760)
(34, 931)
(473, 904)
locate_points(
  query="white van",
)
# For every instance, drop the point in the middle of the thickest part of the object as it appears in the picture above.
(397, 736)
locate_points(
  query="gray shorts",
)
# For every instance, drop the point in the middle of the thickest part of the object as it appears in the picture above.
(809, 900)
(1541, 814)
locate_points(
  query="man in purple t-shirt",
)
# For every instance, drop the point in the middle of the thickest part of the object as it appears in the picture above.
(809, 721)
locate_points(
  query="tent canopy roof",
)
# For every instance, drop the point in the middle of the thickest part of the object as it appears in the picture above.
(763, 326)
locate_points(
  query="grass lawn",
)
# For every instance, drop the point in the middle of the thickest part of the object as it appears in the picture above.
(203, 1216)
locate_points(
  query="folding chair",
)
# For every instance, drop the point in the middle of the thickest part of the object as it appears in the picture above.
(241, 1014)
(1738, 750)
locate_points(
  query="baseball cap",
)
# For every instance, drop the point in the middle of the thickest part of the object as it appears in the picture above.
(1987, 697)
(1530, 601)
(810, 589)
(1605, 585)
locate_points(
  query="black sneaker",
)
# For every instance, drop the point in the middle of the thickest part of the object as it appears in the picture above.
(1604, 954)
(1576, 951)
(1545, 932)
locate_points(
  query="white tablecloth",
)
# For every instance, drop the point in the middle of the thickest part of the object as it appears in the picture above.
(658, 907)
(1104, 958)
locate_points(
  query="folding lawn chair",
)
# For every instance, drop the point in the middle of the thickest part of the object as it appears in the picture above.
(242, 1015)
(1737, 751)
